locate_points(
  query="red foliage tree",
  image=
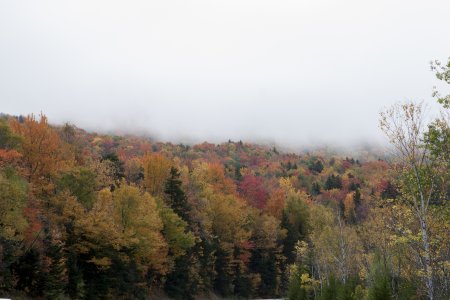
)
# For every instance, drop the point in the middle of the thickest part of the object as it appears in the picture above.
(252, 189)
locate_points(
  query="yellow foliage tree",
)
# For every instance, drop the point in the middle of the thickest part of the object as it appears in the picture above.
(349, 207)
(156, 172)
(137, 216)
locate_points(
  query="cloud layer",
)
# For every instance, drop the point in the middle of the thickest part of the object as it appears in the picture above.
(290, 72)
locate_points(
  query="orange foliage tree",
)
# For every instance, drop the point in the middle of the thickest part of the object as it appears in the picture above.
(44, 154)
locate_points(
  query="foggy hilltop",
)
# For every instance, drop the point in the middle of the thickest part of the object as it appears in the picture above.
(239, 149)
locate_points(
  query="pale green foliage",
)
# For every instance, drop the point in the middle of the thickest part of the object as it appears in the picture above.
(8, 140)
(137, 215)
(13, 192)
(337, 248)
(178, 238)
(442, 73)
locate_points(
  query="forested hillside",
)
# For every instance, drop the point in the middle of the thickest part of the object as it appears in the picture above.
(98, 216)
(93, 216)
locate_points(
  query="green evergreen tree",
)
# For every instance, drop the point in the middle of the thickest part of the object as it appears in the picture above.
(27, 270)
(315, 189)
(179, 282)
(75, 283)
(338, 290)
(75, 287)
(380, 278)
(176, 197)
(289, 165)
(333, 182)
(242, 283)
(54, 284)
(8, 249)
(237, 172)
(357, 197)
(315, 166)
(184, 281)
(264, 262)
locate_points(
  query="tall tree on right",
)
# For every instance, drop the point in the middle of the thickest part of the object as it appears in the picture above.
(421, 151)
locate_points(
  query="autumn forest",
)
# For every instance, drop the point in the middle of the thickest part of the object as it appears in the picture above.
(85, 215)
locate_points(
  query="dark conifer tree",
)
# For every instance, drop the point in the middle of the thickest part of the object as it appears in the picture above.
(318, 166)
(289, 165)
(119, 171)
(390, 192)
(179, 284)
(75, 283)
(176, 196)
(54, 279)
(237, 172)
(315, 166)
(27, 271)
(242, 284)
(264, 262)
(7, 258)
(333, 182)
(223, 282)
(315, 189)
(357, 197)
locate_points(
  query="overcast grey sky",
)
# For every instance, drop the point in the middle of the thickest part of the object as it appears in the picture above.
(285, 71)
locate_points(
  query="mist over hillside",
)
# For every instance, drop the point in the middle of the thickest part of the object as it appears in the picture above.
(363, 149)
(238, 149)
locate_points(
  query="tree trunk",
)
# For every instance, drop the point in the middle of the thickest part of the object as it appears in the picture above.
(427, 263)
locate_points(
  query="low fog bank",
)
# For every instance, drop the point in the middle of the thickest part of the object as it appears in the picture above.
(298, 135)
(353, 142)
